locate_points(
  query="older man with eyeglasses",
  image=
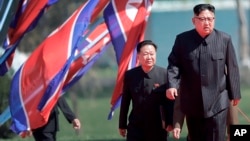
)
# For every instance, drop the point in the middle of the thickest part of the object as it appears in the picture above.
(197, 67)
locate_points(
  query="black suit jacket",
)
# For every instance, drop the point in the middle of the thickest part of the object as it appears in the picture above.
(147, 93)
(53, 124)
(197, 66)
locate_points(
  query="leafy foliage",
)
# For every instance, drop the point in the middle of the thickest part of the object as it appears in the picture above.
(5, 132)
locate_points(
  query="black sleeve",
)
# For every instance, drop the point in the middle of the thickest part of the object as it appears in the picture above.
(169, 108)
(64, 107)
(125, 103)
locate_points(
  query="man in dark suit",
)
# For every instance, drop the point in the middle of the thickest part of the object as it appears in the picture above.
(145, 86)
(48, 131)
(197, 67)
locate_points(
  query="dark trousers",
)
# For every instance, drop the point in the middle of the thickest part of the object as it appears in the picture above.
(138, 134)
(208, 129)
(44, 136)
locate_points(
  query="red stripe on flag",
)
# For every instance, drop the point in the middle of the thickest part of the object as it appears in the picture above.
(98, 9)
(31, 12)
(90, 53)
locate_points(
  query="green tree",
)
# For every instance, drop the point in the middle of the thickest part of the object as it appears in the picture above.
(5, 81)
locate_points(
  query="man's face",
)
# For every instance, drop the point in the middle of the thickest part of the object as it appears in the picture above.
(147, 56)
(204, 22)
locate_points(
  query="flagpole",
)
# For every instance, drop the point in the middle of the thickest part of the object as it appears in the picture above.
(7, 52)
(5, 116)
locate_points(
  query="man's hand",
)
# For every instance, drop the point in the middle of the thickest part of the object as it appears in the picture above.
(25, 134)
(169, 128)
(171, 93)
(176, 133)
(123, 132)
(236, 102)
(76, 124)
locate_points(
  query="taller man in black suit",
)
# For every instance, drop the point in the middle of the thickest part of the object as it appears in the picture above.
(197, 66)
(145, 86)
(49, 130)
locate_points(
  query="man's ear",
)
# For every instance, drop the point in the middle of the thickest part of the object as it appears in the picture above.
(193, 21)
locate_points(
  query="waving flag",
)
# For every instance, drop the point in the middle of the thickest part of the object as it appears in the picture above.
(90, 50)
(38, 84)
(26, 18)
(96, 41)
(7, 11)
(126, 21)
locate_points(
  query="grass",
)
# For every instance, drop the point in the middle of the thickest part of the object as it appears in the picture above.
(95, 126)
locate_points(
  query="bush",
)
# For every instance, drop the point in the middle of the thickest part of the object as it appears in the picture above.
(5, 81)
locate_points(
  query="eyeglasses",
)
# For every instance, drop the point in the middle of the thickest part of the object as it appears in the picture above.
(203, 19)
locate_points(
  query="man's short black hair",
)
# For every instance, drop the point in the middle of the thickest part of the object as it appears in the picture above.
(201, 7)
(145, 42)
